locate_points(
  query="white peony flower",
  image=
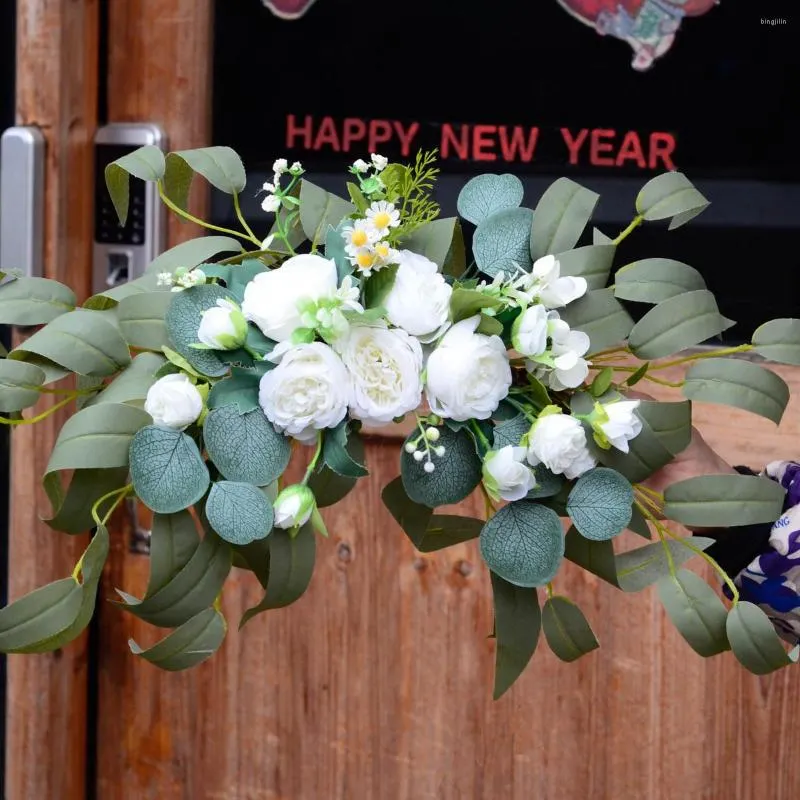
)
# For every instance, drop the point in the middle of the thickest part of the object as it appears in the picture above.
(294, 506)
(529, 332)
(382, 216)
(559, 442)
(271, 203)
(173, 402)
(385, 367)
(553, 290)
(505, 475)
(622, 424)
(223, 326)
(419, 300)
(468, 373)
(271, 298)
(306, 392)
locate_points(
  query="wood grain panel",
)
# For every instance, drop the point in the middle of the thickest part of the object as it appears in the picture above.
(56, 89)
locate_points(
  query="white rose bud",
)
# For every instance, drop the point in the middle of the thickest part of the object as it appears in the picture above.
(505, 476)
(419, 300)
(559, 442)
(529, 331)
(385, 369)
(308, 391)
(294, 506)
(622, 424)
(271, 298)
(173, 402)
(223, 326)
(468, 373)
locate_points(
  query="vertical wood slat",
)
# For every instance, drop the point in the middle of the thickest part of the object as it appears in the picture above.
(56, 65)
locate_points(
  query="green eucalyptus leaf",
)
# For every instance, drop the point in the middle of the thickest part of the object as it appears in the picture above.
(638, 523)
(337, 455)
(72, 508)
(141, 319)
(18, 382)
(195, 251)
(654, 280)
(596, 557)
(241, 275)
(34, 301)
(511, 432)
(517, 625)
(82, 341)
(173, 542)
(485, 195)
(696, 611)
(670, 196)
(754, 641)
(192, 643)
(183, 321)
(601, 317)
(740, 384)
(177, 182)
(600, 504)
(523, 543)
(133, 383)
(328, 486)
(378, 286)
(640, 568)
(779, 340)
(167, 470)
(291, 565)
(240, 391)
(675, 324)
(724, 501)
(335, 249)
(638, 375)
(671, 422)
(561, 216)
(220, 166)
(647, 454)
(194, 588)
(465, 303)
(455, 262)
(502, 242)
(567, 630)
(455, 476)
(146, 163)
(592, 262)
(489, 326)
(319, 209)
(105, 301)
(239, 512)
(433, 241)
(602, 382)
(245, 447)
(547, 484)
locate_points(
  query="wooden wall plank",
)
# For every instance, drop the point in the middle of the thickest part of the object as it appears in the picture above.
(56, 65)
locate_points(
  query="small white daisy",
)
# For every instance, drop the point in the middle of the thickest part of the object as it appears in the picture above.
(382, 216)
(379, 162)
(385, 254)
(364, 260)
(359, 234)
(348, 295)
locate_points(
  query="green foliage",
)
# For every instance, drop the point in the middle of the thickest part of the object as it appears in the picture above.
(600, 504)
(416, 185)
(602, 382)
(517, 625)
(696, 611)
(724, 501)
(465, 303)
(141, 319)
(167, 470)
(567, 630)
(523, 543)
(670, 196)
(18, 385)
(34, 301)
(484, 195)
(146, 163)
(335, 249)
(338, 456)
(754, 641)
(561, 216)
(502, 242)
(105, 301)
(72, 508)
(327, 485)
(245, 447)
(511, 431)
(434, 240)
(378, 286)
(220, 166)
(239, 512)
(191, 644)
(601, 317)
(640, 568)
(239, 390)
(779, 340)
(457, 473)
(592, 262)
(654, 280)
(173, 542)
(189, 254)
(320, 209)
(132, 384)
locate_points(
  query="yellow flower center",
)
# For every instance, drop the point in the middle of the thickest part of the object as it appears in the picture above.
(365, 260)
(359, 238)
(382, 219)
(382, 249)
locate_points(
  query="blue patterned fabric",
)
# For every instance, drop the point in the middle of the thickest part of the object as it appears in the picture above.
(772, 580)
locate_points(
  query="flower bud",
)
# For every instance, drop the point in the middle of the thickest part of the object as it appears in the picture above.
(223, 326)
(294, 506)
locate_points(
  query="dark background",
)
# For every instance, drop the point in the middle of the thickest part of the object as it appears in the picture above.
(727, 90)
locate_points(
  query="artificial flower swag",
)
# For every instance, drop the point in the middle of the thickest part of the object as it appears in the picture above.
(195, 380)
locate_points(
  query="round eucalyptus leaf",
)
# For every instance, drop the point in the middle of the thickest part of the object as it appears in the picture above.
(239, 512)
(18, 382)
(523, 543)
(502, 242)
(600, 504)
(455, 475)
(485, 195)
(779, 340)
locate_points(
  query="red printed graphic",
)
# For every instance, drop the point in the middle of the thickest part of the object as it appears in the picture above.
(648, 26)
(288, 9)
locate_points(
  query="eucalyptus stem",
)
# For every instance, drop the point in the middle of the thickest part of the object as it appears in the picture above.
(662, 382)
(611, 351)
(315, 458)
(488, 504)
(196, 220)
(39, 417)
(254, 254)
(549, 589)
(652, 492)
(120, 494)
(241, 218)
(660, 531)
(522, 409)
(726, 351)
(711, 562)
(635, 223)
(476, 429)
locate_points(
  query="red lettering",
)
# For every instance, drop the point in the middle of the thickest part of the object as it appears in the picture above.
(354, 130)
(480, 139)
(574, 144)
(662, 146)
(597, 147)
(460, 145)
(631, 150)
(380, 131)
(327, 135)
(406, 137)
(293, 130)
(516, 148)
